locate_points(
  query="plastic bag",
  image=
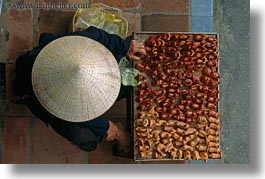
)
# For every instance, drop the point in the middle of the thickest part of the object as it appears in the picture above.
(101, 16)
(128, 73)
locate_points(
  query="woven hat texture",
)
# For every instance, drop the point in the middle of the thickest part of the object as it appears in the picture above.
(76, 78)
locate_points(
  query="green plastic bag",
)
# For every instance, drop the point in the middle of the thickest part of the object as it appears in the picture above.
(128, 73)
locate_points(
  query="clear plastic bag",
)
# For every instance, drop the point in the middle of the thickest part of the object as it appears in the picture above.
(128, 73)
(102, 16)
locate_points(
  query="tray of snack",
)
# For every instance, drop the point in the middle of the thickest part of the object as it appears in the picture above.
(176, 106)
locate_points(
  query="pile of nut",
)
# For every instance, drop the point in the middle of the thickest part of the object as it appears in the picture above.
(177, 105)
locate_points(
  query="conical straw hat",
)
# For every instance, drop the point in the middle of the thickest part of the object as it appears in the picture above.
(76, 78)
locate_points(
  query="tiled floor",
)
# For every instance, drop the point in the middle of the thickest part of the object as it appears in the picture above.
(25, 139)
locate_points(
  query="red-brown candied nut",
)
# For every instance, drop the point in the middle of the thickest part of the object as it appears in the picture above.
(158, 109)
(197, 101)
(183, 91)
(164, 116)
(198, 67)
(199, 49)
(198, 112)
(150, 40)
(211, 106)
(211, 39)
(183, 102)
(203, 89)
(173, 111)
(143, 85)
(212, 99)
(181, 75)
(200, 95)
(153, 74)
(194, 87)
(160, 43)
(199, 55)
(206, 71)
(188, 82)
(172, 79)
(186, 59)
(213, 83)
(180, 64)
(199, 61)
(188, 113)
(198, 37)
(181, 117)
(205, 79)
(157, 82)
(140, 77)
(166, 36)
(212, 93)
(195, 79)
(186, 47)
(171, 95)
(208, 45)
(181, 107)
(148, 90)
(158, 92)
(140, 67)
(213, 50)
(168, 72)
(189, 65)
(160, 99)
(162, 75)
(154, 53)
(189, 120)
(164, 110)
(172, 43)
(212, 56)
(170, 90)
(196, 44)
(171, 85)
(189, 73)
(168, 65)
(164, 104)
(165, 85)
(170, 100)
(195, 106)
(212, 63)
(215, 75)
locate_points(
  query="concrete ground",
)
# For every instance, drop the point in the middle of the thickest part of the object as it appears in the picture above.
(232, 21)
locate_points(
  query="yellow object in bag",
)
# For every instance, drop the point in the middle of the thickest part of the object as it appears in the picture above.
(101, 16)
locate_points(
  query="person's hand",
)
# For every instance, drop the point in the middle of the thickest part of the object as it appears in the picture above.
(136, 50)
(112, 131)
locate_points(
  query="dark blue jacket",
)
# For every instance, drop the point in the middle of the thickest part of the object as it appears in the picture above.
(84, 134)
